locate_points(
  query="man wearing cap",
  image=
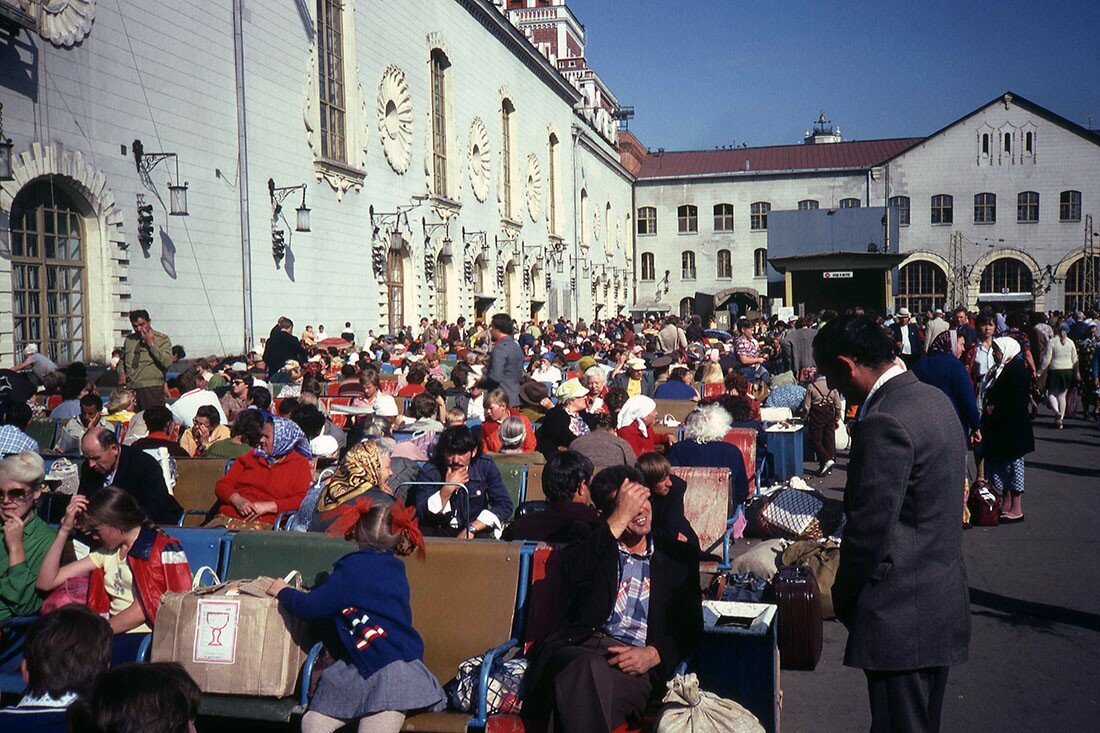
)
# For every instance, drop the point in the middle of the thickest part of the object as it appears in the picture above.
(534, 400)
(634, 378)
(936, 325)
(906, 337)
(146, 359)
(39, 364)
(505, 359)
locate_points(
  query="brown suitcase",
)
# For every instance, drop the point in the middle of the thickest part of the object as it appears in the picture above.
(799, 618)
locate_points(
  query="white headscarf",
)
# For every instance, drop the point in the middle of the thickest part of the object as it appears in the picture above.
(636, 410)
(1010, 349)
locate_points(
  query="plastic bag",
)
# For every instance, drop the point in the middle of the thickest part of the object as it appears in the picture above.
(691, 710)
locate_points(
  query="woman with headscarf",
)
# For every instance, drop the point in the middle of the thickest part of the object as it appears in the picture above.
(943, 368)
(565, 421)
(266, 481)
(1006, 425)
(635, 425)
(361, 476)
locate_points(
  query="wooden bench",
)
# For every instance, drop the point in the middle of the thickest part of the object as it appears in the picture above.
(679, 409)
(194, 490)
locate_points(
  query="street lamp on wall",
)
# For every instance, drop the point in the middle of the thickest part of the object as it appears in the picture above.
(177, 192)
(279, 194)
(6, 172)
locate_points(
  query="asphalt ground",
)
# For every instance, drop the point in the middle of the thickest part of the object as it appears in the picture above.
(1035, 610)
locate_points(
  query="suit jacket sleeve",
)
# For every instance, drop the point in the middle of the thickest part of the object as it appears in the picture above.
(683, 623)
(878, 473)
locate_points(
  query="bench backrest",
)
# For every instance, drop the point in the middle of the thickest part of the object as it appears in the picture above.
(514, 475)
(463, 593)
(706, 502)
(201, 545)
(195, 479)
(679, 409)
(745, 440)
(534, 483)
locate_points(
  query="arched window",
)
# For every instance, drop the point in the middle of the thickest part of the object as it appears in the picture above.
(943, 209)
(985, 208)
(758, 219)
(439, 67)
(1008, 142)
(507, 128)
(1029, 142)
(647, 220)
(1078, 289)
(687, 219)
(808, 204)
(985, 143)
(1005, 276)
(649, 272)
(47, 273)
(849, 203)
(760, 263)
(921, 286)
(725, 264)
(584, 216)
(901, 203)
(723, 217)
(1069, 206)
(687, 307)
(1027, 206)
(330, 68)
(608, 243)
(687, 265)
(552, 183)
(440, 281)
(395, 289)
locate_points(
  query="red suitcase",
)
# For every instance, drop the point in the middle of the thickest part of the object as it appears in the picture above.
(799, 618)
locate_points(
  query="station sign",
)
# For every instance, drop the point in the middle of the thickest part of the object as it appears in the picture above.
(838, 275)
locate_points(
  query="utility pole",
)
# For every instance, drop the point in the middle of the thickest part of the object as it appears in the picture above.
(957, 286)
(1091, 286)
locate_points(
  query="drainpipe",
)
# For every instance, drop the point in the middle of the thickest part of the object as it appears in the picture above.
(576, 229)
(242, 173)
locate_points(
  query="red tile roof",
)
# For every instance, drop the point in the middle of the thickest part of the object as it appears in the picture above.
(843, 155)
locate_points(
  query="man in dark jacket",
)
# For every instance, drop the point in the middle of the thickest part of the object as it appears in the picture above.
(283, 345)
(907, 342)
(106, 463)
(634, 613)
(901, 588)
(569, 514)
(505, 360)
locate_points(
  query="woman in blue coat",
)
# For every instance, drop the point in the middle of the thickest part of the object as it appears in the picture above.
(943, 369)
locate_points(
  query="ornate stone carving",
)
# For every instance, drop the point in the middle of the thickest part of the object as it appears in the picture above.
(533, 190)
(597, 225)
(64, 22)
(395, 118)
(480, 160)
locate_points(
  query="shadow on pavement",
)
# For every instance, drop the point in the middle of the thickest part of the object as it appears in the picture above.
(1067, 470)
(1030, 613)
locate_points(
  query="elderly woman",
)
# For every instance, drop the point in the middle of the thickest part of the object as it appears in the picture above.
(595, 381)
(362, 474)
(497, 410)
(472, 502)
(294, 376)
(267, 481)
(1006, 425)
(704, 446)
(26, 537)
(564, 422)
(635, 425)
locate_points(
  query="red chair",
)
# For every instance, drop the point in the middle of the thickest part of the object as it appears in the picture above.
(332, 389)
(53, 401)
(713, 389)
(745, 440)
(389, 386)
(173, 393)
(275, 405)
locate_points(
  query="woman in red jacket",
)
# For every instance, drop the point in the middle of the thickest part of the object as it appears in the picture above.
(635, 423)
(271, 479)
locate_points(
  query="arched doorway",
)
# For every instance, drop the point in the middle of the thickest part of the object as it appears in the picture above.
(1007, 282)
(687, 307)
(922, 286)
(1078, 290)
(395, 289)
(49, 283)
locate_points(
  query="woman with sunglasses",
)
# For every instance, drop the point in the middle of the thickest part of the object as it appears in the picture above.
(26, 536)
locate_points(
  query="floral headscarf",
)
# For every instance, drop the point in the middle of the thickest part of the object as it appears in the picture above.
(635, 411)
(360, 470)
(946, 342)
(288, 437)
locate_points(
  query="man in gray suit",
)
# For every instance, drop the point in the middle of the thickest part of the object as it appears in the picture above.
(505, 360)
(901, 588)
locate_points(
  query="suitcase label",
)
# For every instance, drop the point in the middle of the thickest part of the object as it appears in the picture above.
(216, 631)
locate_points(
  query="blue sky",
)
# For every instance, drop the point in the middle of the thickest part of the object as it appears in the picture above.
(718, 72)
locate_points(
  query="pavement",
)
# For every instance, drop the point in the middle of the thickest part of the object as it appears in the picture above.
(1035, 610)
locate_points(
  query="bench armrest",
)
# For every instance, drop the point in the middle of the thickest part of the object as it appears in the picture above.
(483, 681)
(142, 655)
(190, 513)
(307, 672)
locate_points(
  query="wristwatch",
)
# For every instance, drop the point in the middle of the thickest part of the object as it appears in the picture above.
(471, 529)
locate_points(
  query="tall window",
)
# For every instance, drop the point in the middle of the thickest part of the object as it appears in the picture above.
(584, 216)
(1029, 142)
(647, 220)
(901, 203)
(943, 209)
(649, 272)
(441, 288)
(47, 273)
(1006, 275)
(1027, 206)
(758, 221)
(439, 122)
(849, 203)
(985, 143)
(1008, 142)
(725, 264)
(1069, 206)
(985, 208)
(687, 219)
(808, 204)
(395, 289)
(921, 286)
(1078, 288)
(552, 180)
(760, 263)
(687, 308)
(723, 217)
(507, 114)
(687, 265)
(330, 75)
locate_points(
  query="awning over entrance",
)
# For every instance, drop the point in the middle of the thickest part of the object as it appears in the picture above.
(650, 306)
(838, 261)
(1005, 297)
(837, 280)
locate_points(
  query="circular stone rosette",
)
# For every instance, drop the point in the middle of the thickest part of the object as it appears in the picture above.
(533, 191)
(395, 118)
(480, 159)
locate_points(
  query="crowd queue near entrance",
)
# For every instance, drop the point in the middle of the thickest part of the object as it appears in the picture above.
(384, 439)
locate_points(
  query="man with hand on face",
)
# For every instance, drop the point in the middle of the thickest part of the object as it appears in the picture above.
(146, 359)
(106, 463)
(634, 612)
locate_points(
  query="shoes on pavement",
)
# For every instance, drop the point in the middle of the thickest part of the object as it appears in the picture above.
(1011, 520)
(827, 468)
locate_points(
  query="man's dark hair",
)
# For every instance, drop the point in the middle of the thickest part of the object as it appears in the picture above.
(503, 323)
(423, 406)
(151, 698)
(564, 473)
(104, 438)
(287, 405)
(71, 389)
(260, 397)
(157, 418)
(678, 374)
(602, 421)
(18, 415)
(91, 400)
(857, 337)
(460, 376)
(435, 388)
(347, 371)
(243, 376)
(452, 442)
(65, 651)
(250, 426)
(210, 413)
(309, 419)
(417, 374)
(178, 352)
(605, 485)
(370, 376)
(739, 406)
(284, 323)
(138, 314)
(984, 320)
(615, 398)
(189, 380)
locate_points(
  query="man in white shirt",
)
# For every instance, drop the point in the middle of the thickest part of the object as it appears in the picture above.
(194, 395)
(983, 355)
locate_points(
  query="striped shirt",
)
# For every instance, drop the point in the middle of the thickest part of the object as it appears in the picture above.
(629, 620)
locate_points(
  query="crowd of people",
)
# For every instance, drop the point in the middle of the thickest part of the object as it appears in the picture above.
(581, 398)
